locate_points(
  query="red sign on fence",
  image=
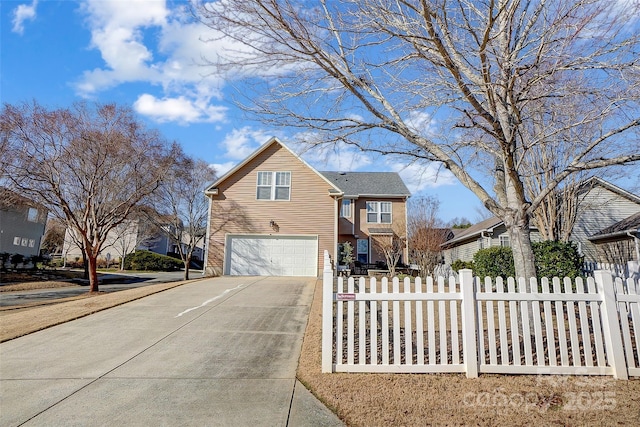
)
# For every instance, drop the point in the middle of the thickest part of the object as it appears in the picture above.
(345, 297)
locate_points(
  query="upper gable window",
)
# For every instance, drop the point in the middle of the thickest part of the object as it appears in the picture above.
(379, 212)
(273, 186)
(32, 215)
(345, 208)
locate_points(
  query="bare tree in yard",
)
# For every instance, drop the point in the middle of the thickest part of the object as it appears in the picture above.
(53, 239)
(89, 165)
(426, 233)
(458, 82)
(391, 247)
(183, 206)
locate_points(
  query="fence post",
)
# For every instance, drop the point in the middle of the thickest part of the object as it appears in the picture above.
(611, 324)
(327, 314)
(469, 340)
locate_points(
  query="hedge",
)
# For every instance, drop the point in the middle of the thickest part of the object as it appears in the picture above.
(552, 259)
(146, 260)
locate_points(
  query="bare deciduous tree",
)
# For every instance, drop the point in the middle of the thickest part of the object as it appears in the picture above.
(89, 165)
(426, 233)
(53, 240)
(453, 81)
(391, 247)
(183, 206)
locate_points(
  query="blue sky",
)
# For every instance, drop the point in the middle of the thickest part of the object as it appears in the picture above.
(146, 54)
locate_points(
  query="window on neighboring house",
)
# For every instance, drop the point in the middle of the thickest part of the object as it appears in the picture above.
(273, 186)
(24, 242)
(32, 216)
(32, 243)
(345, 209)
(379, 212)
(481, 243)
(16, 241)
(504, 241)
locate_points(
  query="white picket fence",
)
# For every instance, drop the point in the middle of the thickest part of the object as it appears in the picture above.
(589, 327)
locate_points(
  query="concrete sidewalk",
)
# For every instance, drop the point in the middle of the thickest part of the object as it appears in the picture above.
(218, 352)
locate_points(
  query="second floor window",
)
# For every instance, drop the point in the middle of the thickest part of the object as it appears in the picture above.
(32, 215)
(273, 186)
(379, 212)
(345, 210)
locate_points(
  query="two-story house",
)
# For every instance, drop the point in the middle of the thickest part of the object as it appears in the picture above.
(274, 214)
(22, 224)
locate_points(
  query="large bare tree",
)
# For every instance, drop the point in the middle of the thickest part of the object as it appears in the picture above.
(90, 165)
(182, 204)
(458, 82)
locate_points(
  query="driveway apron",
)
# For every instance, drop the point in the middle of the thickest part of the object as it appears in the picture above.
(218, 352)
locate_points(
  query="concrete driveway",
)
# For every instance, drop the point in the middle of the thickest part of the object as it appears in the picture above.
(217, 352)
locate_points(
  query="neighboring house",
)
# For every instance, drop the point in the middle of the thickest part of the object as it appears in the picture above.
(124, 239)
(600, 205)
(619, 244)
(22, 224)
(273, 214)
(485, 234)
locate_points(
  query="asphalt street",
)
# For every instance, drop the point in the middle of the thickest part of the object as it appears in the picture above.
(214, 352)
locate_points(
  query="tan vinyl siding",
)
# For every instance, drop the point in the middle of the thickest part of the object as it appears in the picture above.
(310, 210)
(362, 227)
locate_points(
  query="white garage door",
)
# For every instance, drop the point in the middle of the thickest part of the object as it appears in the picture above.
(258, 255)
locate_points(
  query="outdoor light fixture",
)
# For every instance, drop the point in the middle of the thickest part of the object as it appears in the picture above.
(272, 223)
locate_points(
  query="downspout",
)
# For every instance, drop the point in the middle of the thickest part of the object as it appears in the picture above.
(406, 232)
(636, 242)
(206, 240)
(336, 218)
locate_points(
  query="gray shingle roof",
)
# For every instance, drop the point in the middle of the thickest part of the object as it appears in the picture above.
(629, 224)
(355, 184)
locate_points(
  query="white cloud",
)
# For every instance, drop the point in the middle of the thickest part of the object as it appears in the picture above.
(222, 168)
(340, 158)
(334, 157)
(240, 143)
(419, 177)
(23, 13)
(178, 109)
(420, 122)
(146, 41)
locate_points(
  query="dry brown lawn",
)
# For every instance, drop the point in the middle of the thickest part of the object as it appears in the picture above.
(18, 321)
(404, 399)
(453, 399)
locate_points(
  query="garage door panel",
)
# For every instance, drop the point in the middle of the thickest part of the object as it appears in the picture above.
(272, 255)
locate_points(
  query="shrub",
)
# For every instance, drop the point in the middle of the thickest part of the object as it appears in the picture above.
(557, 259)
(458, 265)
(552, 259)
(146, 260)
(16, 259)
(493, 262)
(4, 257)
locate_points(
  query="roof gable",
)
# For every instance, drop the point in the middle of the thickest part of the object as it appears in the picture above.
(475, 230)
(212, 188)
(592, 182)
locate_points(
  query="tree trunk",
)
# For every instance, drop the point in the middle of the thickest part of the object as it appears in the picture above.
(93, 272)
(523, 258)
(85, 265)
(186, 269)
